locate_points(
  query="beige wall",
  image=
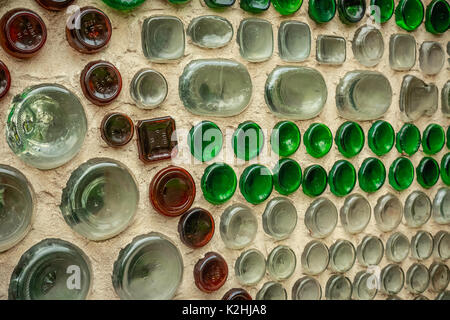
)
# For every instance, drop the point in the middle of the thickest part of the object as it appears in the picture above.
(59, 63)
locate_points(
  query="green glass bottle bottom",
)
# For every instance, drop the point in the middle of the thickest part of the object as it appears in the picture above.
(342, 178)
(256, 183)
(321, 11)
(287, 176)
(381, 137)
(314, 180)
(205, 140)
(285, 138)
(318, 140)
(445, 169)
(218, 183)
(401, 174)
(371, 175)
(350, 139)
(427, 172)
(433, 139)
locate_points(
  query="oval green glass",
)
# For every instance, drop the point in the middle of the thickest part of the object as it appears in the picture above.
(371, 175)
(433, 139)
(256, 183)
(254, 6)
(445, 169)
(124, 5)
(219, 4)
(437, 16)
(349, 139)
(342, 178)
(381, 137)
(321, 11)
(408, 139)
(409, 14)
(287, 176)
(285, 138)
(318, 140)
(218, 183)
(287, 7)
(351, 11)
(401, 174)
(427, 172)
(205, 140)
(448, 134)
(382, 10)
(16, 207)
(100, 199)
(247, 140)
(46, 272)
(315, 180)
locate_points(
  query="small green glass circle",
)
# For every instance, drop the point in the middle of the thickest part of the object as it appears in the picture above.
(437, 16)
(408, 139)
(256, 183)
(342, 178)
(318, 140)
(287, 176)
(401, 174)
(445, 169)
(247, 140)
(254, 6)
(381, 137)
(351, 11)
(382, 10)
(218, 183)
(314, 180)
(371, 175)
(448, 137)
(287, 7)
(433, 139)
(427, 172)
(349, 139)
(285, 138)
(205, 140)
(409, 14)
(321, 11)
(124, 5)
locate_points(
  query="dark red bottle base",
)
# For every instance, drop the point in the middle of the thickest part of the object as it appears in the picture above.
(172, 191)
(101, 82)
(5, 80)
(22, 33)
(89, 30)
(157, 139)
(117, 129)
(55, 5)
(211, 272)
(237, 294)
(196, 228)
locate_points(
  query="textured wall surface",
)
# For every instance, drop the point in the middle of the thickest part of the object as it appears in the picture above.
(59, 63)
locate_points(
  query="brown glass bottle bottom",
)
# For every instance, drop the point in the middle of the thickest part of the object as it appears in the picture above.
(55, 5)
(237, 294)
(172, 191)
(211, 272)
(89, 30)
(101, 82)
(117, 129)
(157, 139)
(5, 80)
(22, 33)
(196, 227)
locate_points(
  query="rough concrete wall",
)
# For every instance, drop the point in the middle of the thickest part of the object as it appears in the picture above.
(59, 63)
